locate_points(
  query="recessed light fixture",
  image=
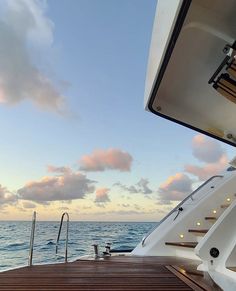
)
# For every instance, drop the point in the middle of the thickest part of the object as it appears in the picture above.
(198, 223)
(214, 211)
(228, 199)
(181, 236)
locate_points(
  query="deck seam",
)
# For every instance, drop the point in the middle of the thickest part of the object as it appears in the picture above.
(191, 283)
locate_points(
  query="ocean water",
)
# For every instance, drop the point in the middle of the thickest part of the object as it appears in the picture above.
(15, 237)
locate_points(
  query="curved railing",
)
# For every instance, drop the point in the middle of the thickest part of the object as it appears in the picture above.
(67, 233)
(179, 206)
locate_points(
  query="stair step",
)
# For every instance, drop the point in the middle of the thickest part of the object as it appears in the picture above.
(224, 205)
(198, 231)
(191, 245)
(210, 218)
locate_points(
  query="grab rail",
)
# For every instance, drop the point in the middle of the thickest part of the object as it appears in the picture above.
(67, 232)
(31, 249)
(178, 207)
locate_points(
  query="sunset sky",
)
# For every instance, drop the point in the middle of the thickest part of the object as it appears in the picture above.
(74, 133)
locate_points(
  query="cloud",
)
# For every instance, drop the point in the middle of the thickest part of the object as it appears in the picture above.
(63, 208)
(141, 187)
(163, 202)
(137, 207)
(23, 28)
(124, 212)
(206, 149)
(206, 171)
(62, 170)
(130, 212)
(6, 197)
(102, 195)
(175, 188)
(211, 154)
(68, 186)
(124, 205)
(131, 189)
(86, 207)
(27, 204)
(111, 159)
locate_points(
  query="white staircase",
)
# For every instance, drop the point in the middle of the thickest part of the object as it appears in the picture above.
(202, 228)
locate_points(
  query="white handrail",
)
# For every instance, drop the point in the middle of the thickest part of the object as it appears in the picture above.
(179, 207)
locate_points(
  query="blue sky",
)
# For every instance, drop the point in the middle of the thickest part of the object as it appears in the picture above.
(72, 84)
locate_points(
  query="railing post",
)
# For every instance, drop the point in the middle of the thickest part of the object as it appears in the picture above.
(31, 249)
(67, 234)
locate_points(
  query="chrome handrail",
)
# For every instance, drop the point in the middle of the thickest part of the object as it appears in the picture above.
(67, 233)
(190, 196)
(31, 249)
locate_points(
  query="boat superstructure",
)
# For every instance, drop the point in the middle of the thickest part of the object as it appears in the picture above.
(201, 228)
(191, 80)
(191, 70)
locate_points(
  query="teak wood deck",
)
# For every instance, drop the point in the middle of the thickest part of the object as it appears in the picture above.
(115, 273)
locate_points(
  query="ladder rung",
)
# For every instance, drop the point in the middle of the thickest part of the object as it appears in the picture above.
(191, 245)
(198, 231)
(210, 218)
(224, 205)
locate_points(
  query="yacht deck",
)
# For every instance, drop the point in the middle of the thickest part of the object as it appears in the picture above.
(115, 273)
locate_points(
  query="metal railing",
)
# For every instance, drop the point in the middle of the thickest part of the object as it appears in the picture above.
(179, 206)
(67, 233)
(31, 249)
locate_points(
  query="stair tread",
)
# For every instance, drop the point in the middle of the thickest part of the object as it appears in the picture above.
(198, 230)
(224, 205)
(183, 244)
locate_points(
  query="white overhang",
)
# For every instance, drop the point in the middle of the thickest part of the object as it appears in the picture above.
(187, 48)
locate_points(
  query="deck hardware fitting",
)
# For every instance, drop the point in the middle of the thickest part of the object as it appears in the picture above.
(214, 252)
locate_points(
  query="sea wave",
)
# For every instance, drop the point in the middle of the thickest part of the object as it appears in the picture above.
(14, 248)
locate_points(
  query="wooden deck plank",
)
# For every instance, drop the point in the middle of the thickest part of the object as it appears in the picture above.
(96, 287)
(202, 279)
(116, 273)
(185, 279)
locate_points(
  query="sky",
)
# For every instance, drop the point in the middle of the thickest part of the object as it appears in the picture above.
(74, 133)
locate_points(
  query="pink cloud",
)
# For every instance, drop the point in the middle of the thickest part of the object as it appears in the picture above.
(175, 188)
(64, 187)
(101, 160)
(206, 150)
(206, 171)
(102, 195)
(211, 154)
(62, 170)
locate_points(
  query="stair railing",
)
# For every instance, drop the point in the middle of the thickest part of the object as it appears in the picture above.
(179, 207)
(31, 249)
(67, 234)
